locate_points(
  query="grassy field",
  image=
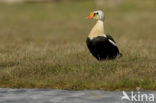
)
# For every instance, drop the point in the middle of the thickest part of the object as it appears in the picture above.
(43, 46)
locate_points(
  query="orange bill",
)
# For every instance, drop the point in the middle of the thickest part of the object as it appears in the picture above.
(91, 16)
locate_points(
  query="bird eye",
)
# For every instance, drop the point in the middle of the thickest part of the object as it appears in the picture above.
(96, 13)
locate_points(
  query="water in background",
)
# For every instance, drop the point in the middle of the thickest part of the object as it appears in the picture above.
(59, 96)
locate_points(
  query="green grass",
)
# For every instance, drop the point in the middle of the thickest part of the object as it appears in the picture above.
(43, 46)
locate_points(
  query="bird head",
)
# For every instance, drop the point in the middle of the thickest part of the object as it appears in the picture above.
(99, 15)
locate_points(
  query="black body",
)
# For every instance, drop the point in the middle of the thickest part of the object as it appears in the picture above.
(101, 47)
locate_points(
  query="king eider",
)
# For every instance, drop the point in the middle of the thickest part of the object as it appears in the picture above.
(100, 45)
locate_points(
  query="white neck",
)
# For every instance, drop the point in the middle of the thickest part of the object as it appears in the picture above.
(97, 30)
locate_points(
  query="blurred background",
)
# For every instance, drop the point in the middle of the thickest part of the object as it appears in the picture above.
(42, 39)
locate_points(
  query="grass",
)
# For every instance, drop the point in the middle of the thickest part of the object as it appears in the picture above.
(43, 46)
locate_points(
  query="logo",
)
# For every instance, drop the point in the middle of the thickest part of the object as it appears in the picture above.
(138, 96)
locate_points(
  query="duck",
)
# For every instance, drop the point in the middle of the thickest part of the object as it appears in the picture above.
(102, 46)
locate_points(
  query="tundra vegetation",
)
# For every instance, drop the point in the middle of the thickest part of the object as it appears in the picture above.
(42, 45)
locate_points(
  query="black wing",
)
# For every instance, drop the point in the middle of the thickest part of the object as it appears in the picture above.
(110, 37)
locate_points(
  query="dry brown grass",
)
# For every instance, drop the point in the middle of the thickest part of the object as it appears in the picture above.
(43, 46)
